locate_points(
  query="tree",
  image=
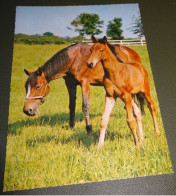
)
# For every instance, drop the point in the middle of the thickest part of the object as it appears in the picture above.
(136, 26)
(87, 24)
(49, 34)
(114, 29)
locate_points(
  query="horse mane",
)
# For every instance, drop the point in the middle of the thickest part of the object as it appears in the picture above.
(50, 67)
(56, 63)
(112, 48)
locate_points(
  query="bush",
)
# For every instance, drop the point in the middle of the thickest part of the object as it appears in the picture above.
(44, 39)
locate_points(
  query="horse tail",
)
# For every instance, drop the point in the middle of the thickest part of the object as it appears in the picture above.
(141, 102)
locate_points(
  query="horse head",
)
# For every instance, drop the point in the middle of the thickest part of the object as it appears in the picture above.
(97, 52)
(36, 89)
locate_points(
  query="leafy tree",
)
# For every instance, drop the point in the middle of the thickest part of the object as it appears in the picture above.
(49, 34)
(114, 29)
(136, 26)
(87, 24)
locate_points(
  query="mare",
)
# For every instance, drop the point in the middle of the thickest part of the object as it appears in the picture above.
(71, 64)
(123, 80)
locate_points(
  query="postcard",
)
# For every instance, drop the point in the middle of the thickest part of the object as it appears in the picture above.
(83, 104)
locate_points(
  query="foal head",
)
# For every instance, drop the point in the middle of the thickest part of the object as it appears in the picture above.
(36, 89)
(98, 52)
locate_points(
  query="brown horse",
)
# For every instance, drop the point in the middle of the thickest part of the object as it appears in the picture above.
(71, 64)
(124, 80)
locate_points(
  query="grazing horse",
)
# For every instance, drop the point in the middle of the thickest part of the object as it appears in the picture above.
(71, 64)
(123, 80)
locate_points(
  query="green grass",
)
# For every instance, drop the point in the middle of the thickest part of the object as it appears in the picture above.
(43, 151)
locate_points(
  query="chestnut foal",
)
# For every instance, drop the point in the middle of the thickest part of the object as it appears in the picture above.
(123, 80)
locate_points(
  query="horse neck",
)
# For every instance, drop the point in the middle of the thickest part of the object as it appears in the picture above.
(111, 61)
(56, 66)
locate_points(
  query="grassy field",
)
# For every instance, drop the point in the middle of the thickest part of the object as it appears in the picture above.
(43, 151)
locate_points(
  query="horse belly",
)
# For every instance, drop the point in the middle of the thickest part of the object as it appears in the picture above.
(130, 79)
(138, 83)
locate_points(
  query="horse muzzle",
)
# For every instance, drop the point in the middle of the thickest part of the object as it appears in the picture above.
(90, 65)
(30, 111)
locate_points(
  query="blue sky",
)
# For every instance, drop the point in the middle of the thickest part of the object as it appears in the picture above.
(40, 19)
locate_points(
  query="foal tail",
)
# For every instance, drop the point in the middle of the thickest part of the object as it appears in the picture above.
(141, 102)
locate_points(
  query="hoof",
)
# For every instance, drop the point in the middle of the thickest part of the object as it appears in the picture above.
(72, 124)
(141, 140)
(89, 129)
(99, 146)
(158, 133)
(138, 145)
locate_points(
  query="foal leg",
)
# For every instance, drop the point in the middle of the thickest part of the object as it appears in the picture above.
(152, 109)
(109, 104)
(138, 115)
(85, 87)
(130, 117)
(71, 86)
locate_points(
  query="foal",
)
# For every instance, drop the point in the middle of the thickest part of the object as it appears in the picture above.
(123, 80)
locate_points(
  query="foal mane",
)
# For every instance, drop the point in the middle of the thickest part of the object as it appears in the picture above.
(112, 48)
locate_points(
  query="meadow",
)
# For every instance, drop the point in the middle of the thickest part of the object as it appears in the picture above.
(42, 151)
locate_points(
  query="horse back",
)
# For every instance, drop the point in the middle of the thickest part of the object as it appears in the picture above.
(130, 77)
(127, 54)
(79, 54)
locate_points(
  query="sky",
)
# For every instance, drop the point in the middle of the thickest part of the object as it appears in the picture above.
(40, 19)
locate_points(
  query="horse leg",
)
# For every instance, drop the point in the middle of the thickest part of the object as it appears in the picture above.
(130, 117)
(109, 104)
(85, 87)
(71, 87)
(152, 109)
(138, 115)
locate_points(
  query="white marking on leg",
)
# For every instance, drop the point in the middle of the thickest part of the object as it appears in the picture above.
(109, 104)
(101, 138)
(139, 120)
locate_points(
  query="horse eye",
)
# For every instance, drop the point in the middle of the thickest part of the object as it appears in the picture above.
(38, 87)
(101, 50)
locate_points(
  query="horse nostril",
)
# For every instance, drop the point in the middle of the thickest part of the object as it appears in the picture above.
(90, 65)
(30, 110)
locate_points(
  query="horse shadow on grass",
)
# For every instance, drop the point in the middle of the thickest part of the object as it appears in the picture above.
(92, 139)
(50, 120)
(56, 119)
(78, 136)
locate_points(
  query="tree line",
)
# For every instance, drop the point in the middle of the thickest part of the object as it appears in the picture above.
(46, 38)
(86, 25)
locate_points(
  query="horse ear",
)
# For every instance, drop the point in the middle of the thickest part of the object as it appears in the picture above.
(39, 71)
(105, 40)
(94, 39)
(27, 72)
